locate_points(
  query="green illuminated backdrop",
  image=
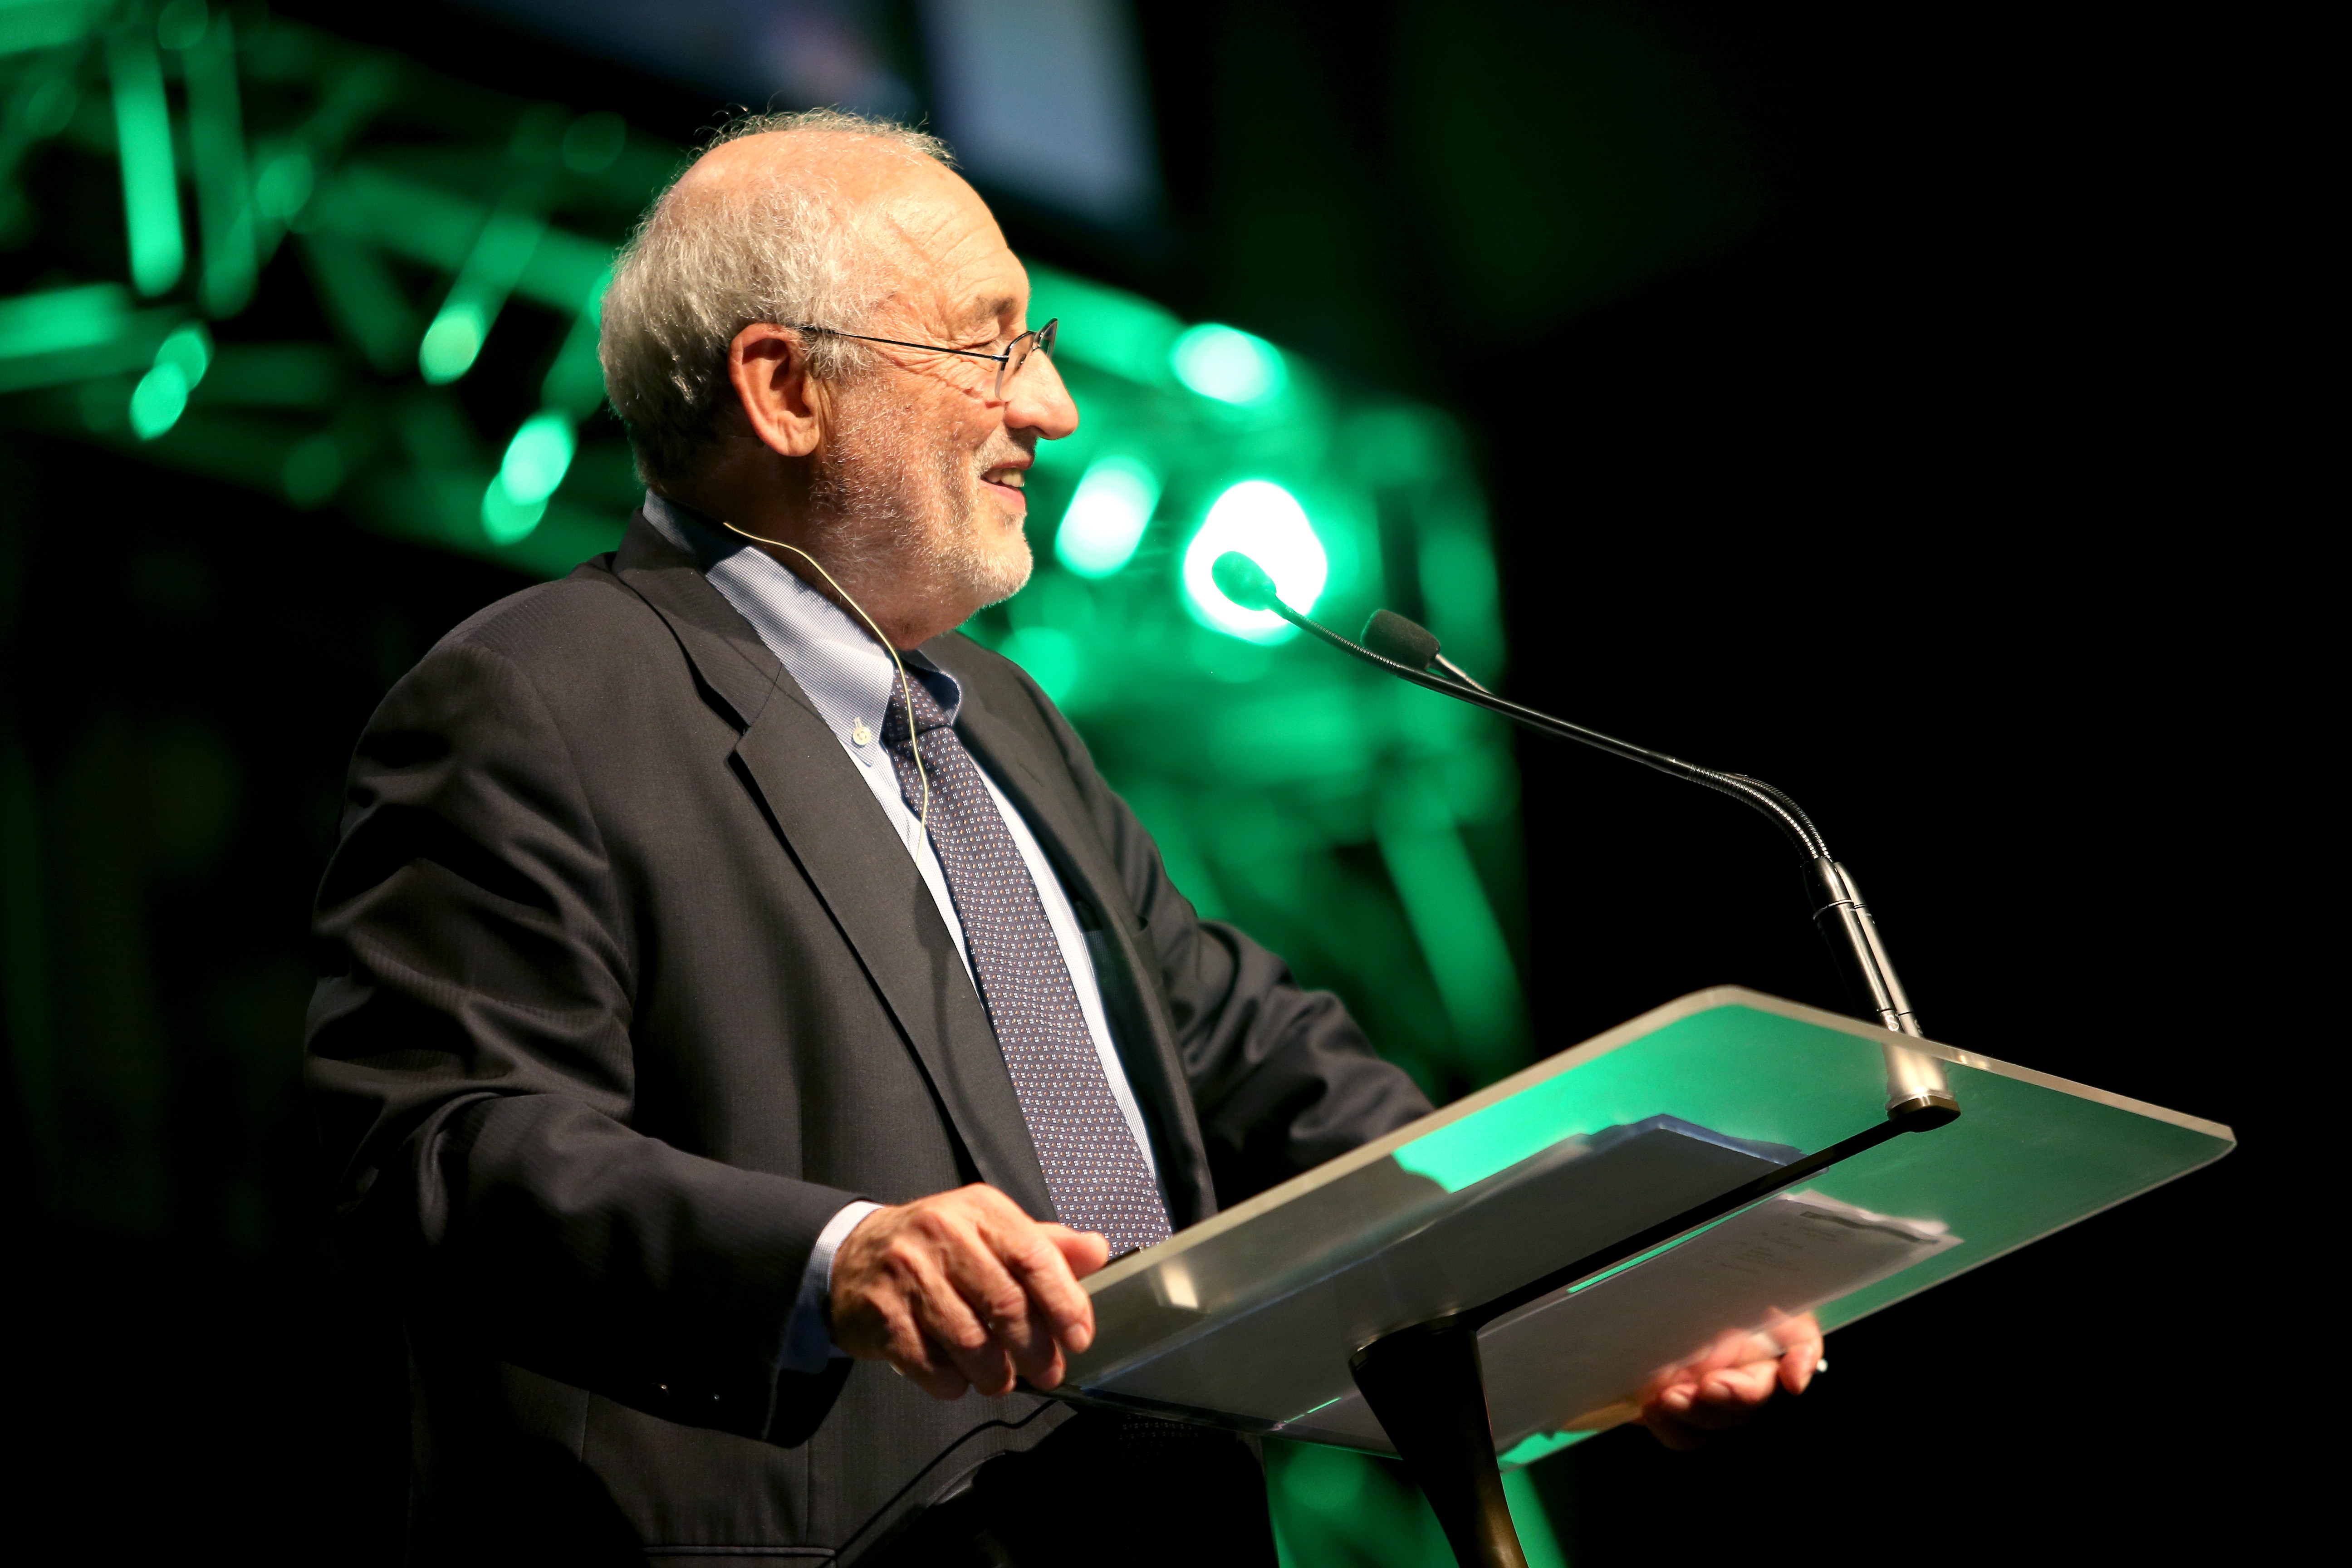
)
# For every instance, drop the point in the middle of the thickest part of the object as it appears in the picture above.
(249, 250)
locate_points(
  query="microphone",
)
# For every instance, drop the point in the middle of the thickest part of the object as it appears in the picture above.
(1392, 637)
(1245, 582)
(1916, 1093)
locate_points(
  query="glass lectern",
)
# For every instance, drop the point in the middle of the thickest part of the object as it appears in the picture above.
(1718, 1163)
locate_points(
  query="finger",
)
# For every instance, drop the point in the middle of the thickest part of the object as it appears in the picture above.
(1083, 1249)
(1039, 1257)
(1802, 1357)
(1054, 1312)
(987, 1366)
(945, 1373)
(1727, 1348)
(1734, 1391)
(1017, 1339)
(940, 1333)
(1730, 1348)
(989, 1369)
(955, 1330)
(991, 1263)
(906, 1351)
(1684, 1410)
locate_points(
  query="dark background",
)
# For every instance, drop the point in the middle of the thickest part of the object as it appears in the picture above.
(1929, 463)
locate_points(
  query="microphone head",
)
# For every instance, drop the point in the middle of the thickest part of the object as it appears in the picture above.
(1243, 580)
(1392, 637)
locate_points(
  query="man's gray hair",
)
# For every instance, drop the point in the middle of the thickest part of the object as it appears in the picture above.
(697, 271)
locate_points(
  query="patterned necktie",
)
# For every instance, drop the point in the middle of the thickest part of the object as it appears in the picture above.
(1092, 1169)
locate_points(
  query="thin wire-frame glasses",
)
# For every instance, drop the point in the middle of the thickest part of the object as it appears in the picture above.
(1008, 363)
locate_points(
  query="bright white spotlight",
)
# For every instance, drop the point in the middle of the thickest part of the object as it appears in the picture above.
(1266, 523)
(1107, 517)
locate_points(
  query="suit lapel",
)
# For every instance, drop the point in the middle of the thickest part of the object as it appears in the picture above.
(1031, 771)
(843, 843)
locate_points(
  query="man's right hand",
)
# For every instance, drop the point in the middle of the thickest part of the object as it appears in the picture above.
(962, 1290)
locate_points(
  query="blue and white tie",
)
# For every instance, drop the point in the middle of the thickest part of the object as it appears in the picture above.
(1094, 1169)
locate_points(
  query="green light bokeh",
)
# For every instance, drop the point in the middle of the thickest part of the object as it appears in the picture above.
(1229, 364)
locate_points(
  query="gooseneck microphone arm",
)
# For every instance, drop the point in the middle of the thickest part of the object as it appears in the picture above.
(1916, 1093)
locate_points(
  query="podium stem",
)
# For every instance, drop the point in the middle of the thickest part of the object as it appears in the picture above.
(1916, 1091)
(1424, 1384)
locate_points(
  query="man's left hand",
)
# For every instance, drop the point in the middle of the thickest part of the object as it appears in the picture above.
(1729, 1381)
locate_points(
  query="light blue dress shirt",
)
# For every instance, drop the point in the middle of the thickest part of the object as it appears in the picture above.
(849, 679)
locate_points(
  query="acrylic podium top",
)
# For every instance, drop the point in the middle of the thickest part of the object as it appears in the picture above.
(1248, 1319)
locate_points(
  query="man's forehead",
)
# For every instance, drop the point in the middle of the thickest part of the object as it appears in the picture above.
(954, 264)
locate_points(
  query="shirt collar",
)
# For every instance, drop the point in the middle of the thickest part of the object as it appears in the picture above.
(848, 675)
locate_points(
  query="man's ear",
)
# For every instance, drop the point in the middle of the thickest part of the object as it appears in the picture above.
(783, 406)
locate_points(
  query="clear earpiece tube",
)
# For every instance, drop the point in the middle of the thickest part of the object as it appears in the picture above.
(905, 689)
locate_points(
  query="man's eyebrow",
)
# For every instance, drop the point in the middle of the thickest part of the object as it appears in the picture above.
(990, 310)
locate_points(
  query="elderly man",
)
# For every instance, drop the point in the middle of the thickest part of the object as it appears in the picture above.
(748, 1014)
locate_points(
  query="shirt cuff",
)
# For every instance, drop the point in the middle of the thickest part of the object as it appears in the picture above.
(808, 1339)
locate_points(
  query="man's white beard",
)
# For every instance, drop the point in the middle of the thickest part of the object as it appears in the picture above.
(895, 508)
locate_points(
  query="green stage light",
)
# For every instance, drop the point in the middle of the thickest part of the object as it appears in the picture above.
(61, 320)
(158, 401)
(216, 148)
(1229, 364)
(1265, 522)
(509, 241)
(190, 347)
(150, 189)
(451, 344)
(538, 458)
(506, 520)
(1107, 517)
(162, 395)
(536, 461)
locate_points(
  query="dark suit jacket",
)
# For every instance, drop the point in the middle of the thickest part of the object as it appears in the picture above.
(627, 988)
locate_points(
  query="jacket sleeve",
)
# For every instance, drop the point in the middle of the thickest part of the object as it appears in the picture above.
(1282, 1078)
(471, 1067)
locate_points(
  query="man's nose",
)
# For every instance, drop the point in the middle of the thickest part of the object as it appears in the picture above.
(1037, 399)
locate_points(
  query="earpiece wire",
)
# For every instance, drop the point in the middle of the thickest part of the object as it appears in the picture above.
(905, 689)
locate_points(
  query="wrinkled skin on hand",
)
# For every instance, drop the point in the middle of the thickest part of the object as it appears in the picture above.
(1729, 1381)
(962, 1290)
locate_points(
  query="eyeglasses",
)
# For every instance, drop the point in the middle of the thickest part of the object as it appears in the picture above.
(1008, 363)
